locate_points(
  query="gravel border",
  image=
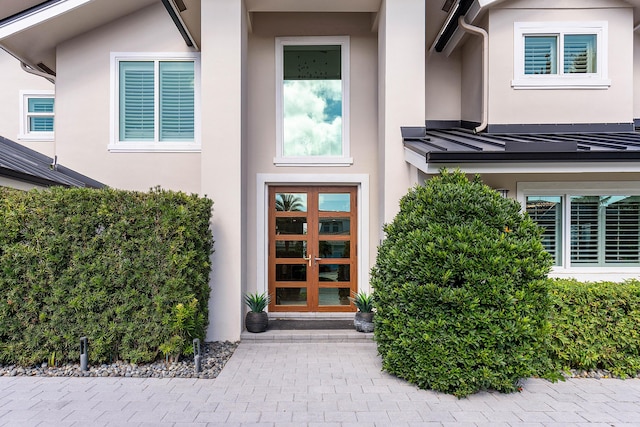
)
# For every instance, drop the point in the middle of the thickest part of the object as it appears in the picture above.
(214, 356)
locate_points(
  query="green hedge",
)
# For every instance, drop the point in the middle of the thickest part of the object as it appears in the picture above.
(461, 290)
(596, 325)
(128, 270)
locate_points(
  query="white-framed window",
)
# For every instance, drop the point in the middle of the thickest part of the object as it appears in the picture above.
(312, 101)
(155, 102)
(587, 225)
(37, 115)
(557, 55)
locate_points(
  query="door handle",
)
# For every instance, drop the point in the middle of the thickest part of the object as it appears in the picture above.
(308, 259)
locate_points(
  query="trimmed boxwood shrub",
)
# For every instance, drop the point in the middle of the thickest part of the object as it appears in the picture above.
(460, 289)
(128, 270)
(596, 325)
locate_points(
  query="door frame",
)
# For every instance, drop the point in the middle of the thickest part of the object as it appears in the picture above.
(263, 181)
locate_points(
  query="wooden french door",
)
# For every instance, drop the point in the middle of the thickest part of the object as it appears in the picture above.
(312, 248)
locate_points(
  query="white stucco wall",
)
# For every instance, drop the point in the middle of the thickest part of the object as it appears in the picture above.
(223, 178)
(84, 105)
(18, 185)
(13, 81)
(261, 142)
(547, 106)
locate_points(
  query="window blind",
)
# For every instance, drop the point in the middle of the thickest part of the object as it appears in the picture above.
(540, 54)
(177, 117)
(584, 229)
(579, 53)
(40, 114)
(622, 230)
(546, 211)
(137, 99)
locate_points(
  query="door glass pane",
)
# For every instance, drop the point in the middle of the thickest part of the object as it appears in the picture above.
(291, 249)
(291, 296)
(334, 202)
(335, 226)
(291, 202)
(297, 225)
(333, 296)
(333, 273)
(291, 272)
(334, 249)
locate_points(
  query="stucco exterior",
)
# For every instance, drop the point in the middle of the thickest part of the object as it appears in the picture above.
(547, 106)
(13, 85)
(396, 79)
(84, 105)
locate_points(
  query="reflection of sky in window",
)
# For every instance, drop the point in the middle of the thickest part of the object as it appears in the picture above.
(312, 118)
(334, 202)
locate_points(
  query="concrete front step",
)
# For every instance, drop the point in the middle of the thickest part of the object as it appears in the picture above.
(315, 335)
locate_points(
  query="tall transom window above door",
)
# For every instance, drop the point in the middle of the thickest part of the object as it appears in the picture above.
(155, 102)
(312, 101)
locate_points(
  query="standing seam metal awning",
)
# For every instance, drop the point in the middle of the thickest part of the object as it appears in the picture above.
(523, 152)
(24, 164)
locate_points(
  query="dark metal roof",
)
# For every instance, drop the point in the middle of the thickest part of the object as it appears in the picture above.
(464, 146)
(21, 163)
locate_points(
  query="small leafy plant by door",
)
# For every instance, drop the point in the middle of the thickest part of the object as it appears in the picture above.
(256, 319)
(363, 320)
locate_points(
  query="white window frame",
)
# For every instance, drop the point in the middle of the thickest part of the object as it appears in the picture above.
(280, 159)
(25, 134)
(566, 190)
(115, 144)
(598, 80)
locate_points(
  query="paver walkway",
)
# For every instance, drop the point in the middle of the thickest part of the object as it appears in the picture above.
(308, 384)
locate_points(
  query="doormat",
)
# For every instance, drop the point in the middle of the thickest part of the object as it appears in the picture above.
(285, 325)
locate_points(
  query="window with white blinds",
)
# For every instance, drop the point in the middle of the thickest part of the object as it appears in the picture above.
(601, 230)
(38, 115)
(547, 212)
(156, 103)
(137, 100)
(580, 53)
(540, 54)
(177, 108)
(560, 54)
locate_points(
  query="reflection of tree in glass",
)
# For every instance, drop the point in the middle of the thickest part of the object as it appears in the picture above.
(289, 203)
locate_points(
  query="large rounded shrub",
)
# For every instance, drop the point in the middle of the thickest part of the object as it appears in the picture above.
(460, 289)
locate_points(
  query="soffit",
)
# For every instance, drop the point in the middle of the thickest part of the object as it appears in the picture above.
(313, 5)
(35, 41)
(11, 7)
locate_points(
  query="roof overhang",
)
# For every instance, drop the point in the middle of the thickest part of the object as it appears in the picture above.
(313, 5)
(450, 35)
(31, 30)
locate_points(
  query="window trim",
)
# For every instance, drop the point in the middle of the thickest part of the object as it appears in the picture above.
(585, 188)
(345, 159)
(115, 144)
(25, 134)
(598, 80)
